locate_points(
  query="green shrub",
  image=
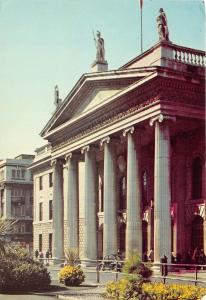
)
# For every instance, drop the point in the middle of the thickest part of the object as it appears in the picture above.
(133, 265)
(19, 272)
(72, 256)
(71, 275)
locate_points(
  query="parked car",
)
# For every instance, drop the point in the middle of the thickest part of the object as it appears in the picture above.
(111, 262)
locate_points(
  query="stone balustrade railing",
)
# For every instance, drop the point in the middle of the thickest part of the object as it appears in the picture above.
(189, 56)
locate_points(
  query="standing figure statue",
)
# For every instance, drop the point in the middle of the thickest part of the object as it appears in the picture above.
(57, 100)
(99, 43)
(162, 26)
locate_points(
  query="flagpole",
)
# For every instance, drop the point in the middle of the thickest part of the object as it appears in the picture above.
(141, 29)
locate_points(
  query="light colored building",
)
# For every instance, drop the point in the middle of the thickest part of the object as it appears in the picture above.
(16, 197)
(125, 164)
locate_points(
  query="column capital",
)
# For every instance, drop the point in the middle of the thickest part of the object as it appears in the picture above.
(71, 155)
(53, 162)
(88, 148)
(160, 118)
(56, 161)
(128, 130)
(85, 149)
(105, 140)
(108, 139)
(68, 157)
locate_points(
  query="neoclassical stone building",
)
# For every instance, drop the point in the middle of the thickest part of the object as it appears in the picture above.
(124, 167)
(16, 198)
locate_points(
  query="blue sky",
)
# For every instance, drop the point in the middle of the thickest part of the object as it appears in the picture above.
(49, 42)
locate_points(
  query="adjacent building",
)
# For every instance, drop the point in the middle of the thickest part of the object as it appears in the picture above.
(124, 167)
(16, 198)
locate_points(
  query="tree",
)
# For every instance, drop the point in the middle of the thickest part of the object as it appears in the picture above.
(5, 227)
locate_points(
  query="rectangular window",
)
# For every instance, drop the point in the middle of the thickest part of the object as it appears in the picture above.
(50, 242)
(2, 209)
(50, 209)
(22, 228)
(40, 183)
(13, 173)
(50, 179)
(23, 174)
(18, 173)
(40, 211)
(40, 242)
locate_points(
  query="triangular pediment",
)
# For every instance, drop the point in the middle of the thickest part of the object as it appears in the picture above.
(90, 93)
(96, 97)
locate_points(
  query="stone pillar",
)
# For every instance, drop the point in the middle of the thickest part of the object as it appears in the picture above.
(90, 213)
(57, 224)
(72, 213)
(134, 220)
(110, 211)
(162, 188)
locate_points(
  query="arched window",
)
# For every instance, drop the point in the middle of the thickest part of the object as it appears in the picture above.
(122, 193)
(197, 178)
(145, 187)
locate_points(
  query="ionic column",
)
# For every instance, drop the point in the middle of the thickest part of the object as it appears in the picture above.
(90, 236)
(162, 188)
(110, 213)
(134, 221)
(72, 201)
(57, 224)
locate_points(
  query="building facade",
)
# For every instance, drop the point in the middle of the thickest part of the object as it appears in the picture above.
(124, 167)
(16, 198)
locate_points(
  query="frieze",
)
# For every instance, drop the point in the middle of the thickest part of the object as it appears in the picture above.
(106, 121)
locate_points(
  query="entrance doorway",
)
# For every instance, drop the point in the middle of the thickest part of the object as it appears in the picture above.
(197, 233)
(122, 236)
(144, 239)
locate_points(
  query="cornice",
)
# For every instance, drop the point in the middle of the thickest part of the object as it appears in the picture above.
(93, 78)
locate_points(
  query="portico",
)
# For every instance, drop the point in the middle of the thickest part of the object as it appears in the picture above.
(118, 131)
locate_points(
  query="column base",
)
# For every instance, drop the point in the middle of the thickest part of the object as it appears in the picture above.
(58, 261)
(87, 263)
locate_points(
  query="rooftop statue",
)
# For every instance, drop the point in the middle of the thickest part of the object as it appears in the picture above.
(57, 100)
(162, 26)
(99, 43)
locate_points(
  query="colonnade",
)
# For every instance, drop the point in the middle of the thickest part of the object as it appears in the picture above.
(162, 196)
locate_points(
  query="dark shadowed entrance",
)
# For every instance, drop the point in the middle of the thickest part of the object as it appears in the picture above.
(197, 233)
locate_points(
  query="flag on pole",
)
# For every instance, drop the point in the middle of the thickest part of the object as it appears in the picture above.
(141, 3)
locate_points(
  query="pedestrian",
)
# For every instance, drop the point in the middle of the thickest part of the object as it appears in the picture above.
(47, 257)
(151, 255)
(36, 253)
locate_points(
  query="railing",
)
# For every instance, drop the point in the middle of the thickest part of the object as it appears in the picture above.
(164, 272)
(189, 56)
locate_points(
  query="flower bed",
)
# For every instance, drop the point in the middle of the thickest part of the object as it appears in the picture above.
(133, 289)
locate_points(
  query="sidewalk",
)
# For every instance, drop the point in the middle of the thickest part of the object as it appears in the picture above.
(85, 291)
